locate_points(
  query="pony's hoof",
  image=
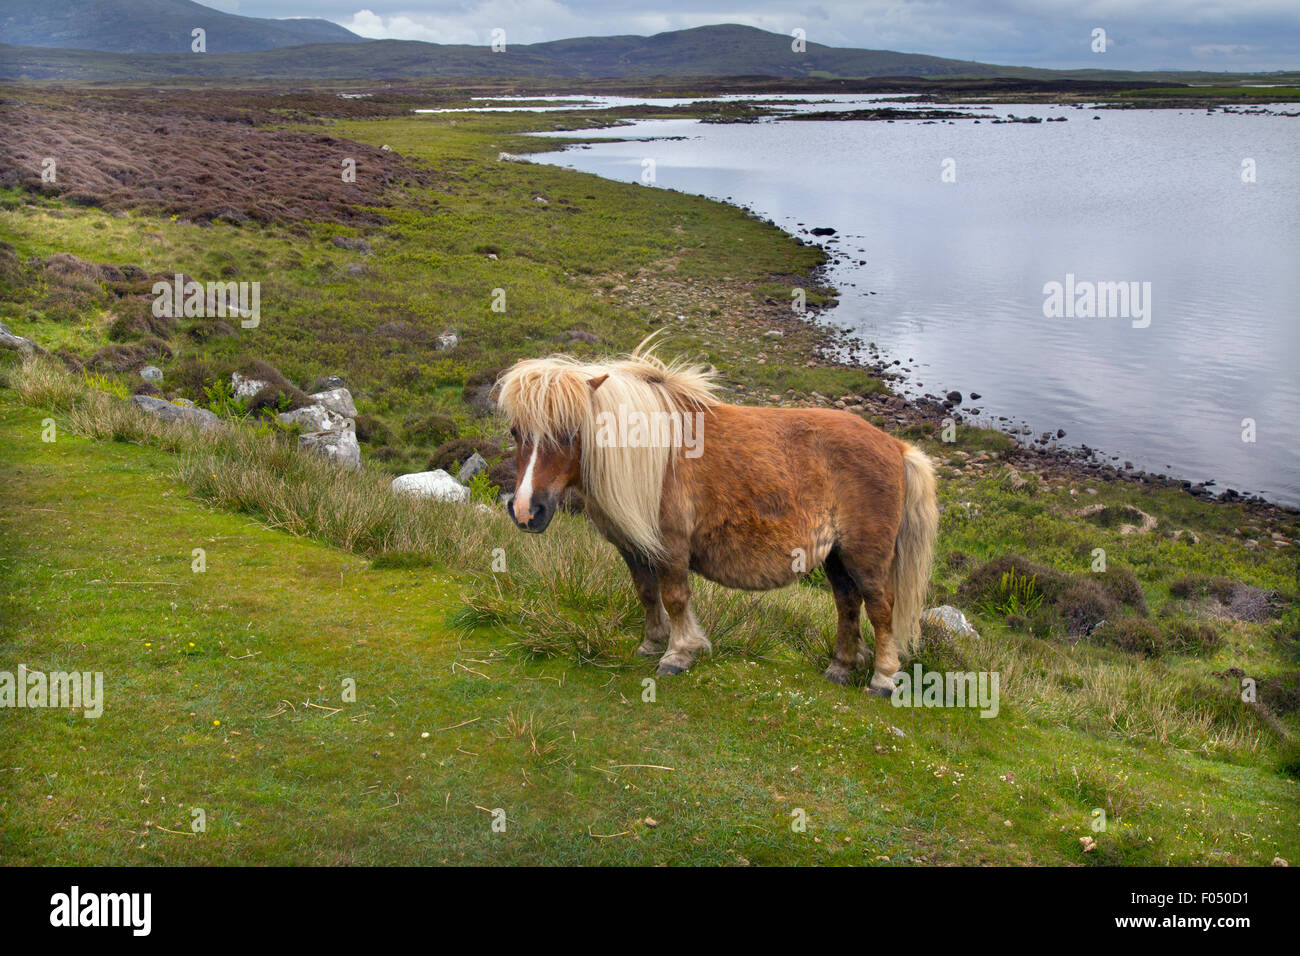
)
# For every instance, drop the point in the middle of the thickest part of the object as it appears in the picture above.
(837, 673)
(880, 686)
(669, 670)
(649, 650)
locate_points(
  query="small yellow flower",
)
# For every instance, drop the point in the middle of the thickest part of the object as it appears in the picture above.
(216, 723)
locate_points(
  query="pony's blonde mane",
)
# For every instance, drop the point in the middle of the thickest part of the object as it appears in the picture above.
(549, 399)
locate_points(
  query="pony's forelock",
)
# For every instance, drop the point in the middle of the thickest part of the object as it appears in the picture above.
(546, 399)
(549, 399)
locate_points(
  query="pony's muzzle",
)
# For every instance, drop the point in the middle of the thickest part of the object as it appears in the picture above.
(541, 511)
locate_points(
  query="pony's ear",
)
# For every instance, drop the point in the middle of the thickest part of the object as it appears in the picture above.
(598, 381)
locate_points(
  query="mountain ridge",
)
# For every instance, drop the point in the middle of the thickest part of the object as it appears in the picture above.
(716, 50)
(154, 26)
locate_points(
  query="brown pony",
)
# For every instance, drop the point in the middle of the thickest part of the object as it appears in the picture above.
(748, 497)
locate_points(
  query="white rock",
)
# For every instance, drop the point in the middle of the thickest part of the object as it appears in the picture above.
(337, 400)
(314, 418)
(950, 620)
(245, 387)
(339, 446)
(430, 484)
(151, 373)
(448, 340)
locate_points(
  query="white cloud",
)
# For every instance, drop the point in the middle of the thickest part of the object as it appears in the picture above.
(524, 21)
(1222, 49)
(369, 24)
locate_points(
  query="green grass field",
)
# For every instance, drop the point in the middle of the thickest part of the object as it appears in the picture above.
(483, 695)
(225, 692)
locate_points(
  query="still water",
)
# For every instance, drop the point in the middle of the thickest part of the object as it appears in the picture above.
(951, 230)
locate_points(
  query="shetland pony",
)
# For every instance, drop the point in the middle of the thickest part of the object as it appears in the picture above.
(748, 497)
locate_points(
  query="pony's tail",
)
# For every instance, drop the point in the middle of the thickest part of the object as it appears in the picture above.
(909, 578)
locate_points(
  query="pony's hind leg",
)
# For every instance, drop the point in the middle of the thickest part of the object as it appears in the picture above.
(868, 572)
(849, 650)
(686, 638)
(656, 618)
(879, 601)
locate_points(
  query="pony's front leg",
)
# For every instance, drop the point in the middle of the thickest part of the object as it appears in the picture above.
(849, 650)
(656, 618)
(686, 638)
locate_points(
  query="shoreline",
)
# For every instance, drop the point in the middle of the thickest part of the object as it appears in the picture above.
(1047, 459)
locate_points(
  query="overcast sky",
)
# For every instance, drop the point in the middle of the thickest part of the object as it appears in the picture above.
(1142, 34)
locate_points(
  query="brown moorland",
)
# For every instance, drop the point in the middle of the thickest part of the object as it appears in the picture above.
(194, 161)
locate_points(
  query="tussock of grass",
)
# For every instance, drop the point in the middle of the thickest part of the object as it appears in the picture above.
(43, 384)
(1033, 595)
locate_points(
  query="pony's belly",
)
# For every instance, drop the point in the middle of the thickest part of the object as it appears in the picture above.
(760, 566)
(745, 573)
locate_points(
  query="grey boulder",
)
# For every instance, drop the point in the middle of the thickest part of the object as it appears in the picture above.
(167, 411)
(339, 447)
(314, 418)
(10, 341)
(473, 465)
(337, 400)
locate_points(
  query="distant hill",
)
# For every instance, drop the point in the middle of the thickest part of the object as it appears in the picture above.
(734, 50)
(153, 26)
(724, 50)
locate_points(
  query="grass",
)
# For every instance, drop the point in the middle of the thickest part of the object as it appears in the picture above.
(532, 672)
(435, 265)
